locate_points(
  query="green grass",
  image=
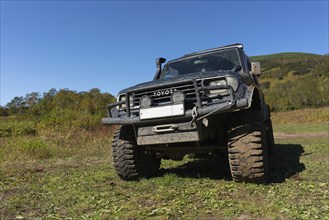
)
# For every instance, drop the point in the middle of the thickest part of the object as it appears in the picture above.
(70, 176)
(88, 188)
(292, 128)
(55, 145)
(304, 120)
(302, 116)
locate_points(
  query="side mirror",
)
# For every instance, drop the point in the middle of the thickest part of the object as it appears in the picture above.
(255, 69)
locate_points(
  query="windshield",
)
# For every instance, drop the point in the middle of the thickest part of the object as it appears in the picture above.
(219, 60)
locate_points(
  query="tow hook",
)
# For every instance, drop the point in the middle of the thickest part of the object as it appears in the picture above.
(165, 128)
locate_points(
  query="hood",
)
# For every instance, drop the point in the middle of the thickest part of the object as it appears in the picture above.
(182, 78)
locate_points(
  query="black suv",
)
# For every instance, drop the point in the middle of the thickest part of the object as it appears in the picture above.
(204, 103)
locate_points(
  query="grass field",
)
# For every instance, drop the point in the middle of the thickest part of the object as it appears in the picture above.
(70, 176)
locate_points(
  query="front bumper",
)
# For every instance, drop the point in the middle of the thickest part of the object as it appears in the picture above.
(226, 105)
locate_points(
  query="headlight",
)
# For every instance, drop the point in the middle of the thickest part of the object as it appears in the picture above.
(145, 101)
(217, 83)
(233, 81)
(122, 97)
(177, 97)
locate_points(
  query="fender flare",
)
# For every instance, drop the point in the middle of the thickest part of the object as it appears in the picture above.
(256, 101)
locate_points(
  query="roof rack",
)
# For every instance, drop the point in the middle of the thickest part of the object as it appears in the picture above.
(237, 45)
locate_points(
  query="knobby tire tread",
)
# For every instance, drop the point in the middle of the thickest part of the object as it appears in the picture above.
(247, 147)
(131, 161)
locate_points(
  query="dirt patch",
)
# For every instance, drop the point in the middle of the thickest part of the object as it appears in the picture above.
(281, 135)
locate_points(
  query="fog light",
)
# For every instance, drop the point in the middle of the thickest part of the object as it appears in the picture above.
(177, 97)
(145, 101)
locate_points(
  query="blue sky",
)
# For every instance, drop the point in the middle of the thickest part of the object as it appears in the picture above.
(111, 45)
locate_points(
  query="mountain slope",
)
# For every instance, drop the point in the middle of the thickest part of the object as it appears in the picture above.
(295, 80)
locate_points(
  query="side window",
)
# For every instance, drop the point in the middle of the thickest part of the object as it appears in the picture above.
(246, 61)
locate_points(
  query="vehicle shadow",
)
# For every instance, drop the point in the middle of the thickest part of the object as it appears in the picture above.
(212, 167)
(284, 163)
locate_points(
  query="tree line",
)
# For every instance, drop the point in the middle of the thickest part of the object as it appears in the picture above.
(34, 104)
(289, 81)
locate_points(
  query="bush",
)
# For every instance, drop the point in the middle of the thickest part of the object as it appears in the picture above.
(16, 127)
(66, 120)
(306, 91)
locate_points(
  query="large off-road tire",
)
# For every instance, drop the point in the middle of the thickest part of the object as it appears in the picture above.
(247, 147)
(132, 162)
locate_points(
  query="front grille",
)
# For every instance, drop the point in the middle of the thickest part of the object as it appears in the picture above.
(162, 95)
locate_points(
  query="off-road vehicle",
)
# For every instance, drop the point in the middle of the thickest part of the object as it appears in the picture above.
(207, 102)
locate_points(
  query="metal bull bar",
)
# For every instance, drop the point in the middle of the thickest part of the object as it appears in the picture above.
(201, 111)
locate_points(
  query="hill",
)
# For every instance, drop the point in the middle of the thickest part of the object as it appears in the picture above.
(295, 80)
(289, 80)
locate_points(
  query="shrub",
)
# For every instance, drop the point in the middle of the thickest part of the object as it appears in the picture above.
(66, 120)
(14, 128)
